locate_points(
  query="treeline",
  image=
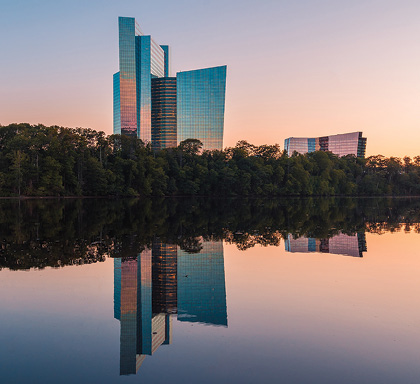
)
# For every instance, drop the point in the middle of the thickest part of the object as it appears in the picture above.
(54, 233)
(36, 160)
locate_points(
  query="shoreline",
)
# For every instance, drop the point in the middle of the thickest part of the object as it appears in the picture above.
(204, 196)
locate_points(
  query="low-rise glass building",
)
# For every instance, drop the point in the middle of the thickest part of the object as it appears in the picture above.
(341, 145)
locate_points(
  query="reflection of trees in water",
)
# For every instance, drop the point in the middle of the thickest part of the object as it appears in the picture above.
(41, 233)
(248, 240)
(50, 254)
(381, 228)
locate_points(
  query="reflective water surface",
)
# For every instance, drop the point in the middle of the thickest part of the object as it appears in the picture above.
(210, 291)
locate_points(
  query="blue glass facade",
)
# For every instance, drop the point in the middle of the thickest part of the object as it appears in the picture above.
(144, 293)
(286, 145)
(201, 285)
(311, 245)
(150, 63)
(144, 103)
(201, 106)
(117, 289)
(200, 98)
(311, 145)
(167, 52)
(128, 29)
(117, 104)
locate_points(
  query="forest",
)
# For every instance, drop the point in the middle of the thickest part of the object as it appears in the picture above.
(36, 160)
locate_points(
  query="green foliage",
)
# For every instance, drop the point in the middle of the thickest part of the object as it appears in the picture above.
(36, 160)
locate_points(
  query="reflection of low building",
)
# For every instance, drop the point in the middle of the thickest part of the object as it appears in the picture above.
(160, 282)
(348, 245)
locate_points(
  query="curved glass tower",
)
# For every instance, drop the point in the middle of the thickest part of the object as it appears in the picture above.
(125, 81)
(201, 106)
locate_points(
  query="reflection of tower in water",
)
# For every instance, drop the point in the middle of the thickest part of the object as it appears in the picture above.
(164, 278)
(201, 285)
(160, 282)
(142, 330)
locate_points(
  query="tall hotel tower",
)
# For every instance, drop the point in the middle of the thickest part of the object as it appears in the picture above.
(164, 110)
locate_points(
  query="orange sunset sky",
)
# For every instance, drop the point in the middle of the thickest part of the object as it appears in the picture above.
(302, 68)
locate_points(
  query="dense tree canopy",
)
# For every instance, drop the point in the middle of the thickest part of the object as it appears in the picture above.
(56, 161)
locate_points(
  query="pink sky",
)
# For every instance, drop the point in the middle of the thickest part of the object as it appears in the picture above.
(309, 69)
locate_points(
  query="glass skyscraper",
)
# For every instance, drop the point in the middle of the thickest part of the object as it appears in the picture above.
(125, 101)
(164, 113)
(201, 106)
(161, 110)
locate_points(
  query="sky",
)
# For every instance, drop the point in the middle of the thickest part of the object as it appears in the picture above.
(295, 68)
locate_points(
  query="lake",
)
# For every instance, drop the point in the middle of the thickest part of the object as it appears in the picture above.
(210, 290)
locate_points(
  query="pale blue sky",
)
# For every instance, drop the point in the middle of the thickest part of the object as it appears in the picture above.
(301, 68)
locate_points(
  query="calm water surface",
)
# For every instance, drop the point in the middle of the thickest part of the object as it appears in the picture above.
(210, 291)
